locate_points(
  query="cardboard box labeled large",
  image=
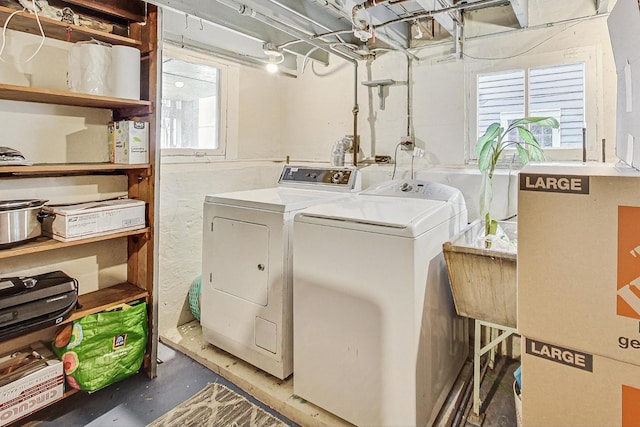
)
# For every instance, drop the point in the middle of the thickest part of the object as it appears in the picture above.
(73, 222)
(579, 258)
(565, 387)
(30, 378)
(129, 142)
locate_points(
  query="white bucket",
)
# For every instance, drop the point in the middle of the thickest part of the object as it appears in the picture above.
(518, 403)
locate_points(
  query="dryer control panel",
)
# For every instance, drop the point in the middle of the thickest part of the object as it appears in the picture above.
(345, 178)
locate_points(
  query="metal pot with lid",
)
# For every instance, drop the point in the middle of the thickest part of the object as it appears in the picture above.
(20, 220)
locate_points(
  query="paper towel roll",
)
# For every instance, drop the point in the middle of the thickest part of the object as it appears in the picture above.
(89, 68)
(125, 72)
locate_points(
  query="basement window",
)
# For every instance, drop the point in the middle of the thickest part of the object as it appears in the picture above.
(193, 105)
(549, 91)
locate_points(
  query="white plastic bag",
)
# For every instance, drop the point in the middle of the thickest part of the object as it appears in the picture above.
(90, 68)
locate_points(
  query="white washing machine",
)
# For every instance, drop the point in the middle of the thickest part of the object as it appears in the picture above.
(246, 299)
(376, 339)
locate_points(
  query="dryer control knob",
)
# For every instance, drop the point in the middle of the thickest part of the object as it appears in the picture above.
(337, 177)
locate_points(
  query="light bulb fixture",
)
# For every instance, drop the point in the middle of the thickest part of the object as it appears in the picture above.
(179, 84)
(275, 56)
(272, 67)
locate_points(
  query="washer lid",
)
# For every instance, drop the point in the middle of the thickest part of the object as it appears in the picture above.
(275, 199)
(388, 215)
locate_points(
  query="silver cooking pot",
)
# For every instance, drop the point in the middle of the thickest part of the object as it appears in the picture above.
(20, 220)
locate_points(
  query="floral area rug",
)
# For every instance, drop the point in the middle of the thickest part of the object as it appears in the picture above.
(217, 405)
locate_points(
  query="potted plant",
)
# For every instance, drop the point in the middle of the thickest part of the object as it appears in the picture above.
(483, 280)
(490, 147)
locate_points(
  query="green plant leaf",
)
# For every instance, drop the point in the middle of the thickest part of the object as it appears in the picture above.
(537, 154)
(523, 154)
(485, 157)
(490, 135)
(532, 145)
(541, 121)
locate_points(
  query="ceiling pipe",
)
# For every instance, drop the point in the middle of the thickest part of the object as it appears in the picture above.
(428, 14)
(383, 37)
(285, 28)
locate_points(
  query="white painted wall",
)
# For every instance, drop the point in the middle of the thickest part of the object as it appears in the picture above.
(302, 118)
(182, 192)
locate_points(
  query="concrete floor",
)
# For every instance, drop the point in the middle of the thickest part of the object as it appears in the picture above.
(136, 401)
(496, 390)
(496, 394)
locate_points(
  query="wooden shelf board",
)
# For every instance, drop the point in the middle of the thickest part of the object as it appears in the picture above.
(42, 244)
(44, 168)
(26, 22)
(100, 300)
(61, 97)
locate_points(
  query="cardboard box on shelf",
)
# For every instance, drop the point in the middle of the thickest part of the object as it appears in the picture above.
(579, 257)
(565, 387)
(92, 219)
(30, 378)
(129, 142)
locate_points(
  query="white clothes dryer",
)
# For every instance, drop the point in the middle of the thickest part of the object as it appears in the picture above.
(246, 299)
(377, 340)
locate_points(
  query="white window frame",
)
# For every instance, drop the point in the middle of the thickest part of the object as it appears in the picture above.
(199, 155)
(591, 56)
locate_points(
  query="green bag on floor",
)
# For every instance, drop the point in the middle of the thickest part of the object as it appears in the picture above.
(102, 348)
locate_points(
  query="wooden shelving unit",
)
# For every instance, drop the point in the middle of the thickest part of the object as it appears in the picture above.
(141, 19)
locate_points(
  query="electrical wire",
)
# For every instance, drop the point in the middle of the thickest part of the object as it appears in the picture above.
(305, 60)
(395, 161)
(4, 33)
(525, 51)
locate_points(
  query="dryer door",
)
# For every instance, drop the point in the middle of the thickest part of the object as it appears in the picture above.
(240, 257)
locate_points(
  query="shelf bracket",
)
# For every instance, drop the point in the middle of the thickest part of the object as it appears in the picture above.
(380, 84)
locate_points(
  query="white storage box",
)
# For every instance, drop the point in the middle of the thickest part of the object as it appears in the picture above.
(129, 142)
(36, 380)
(92, 219)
